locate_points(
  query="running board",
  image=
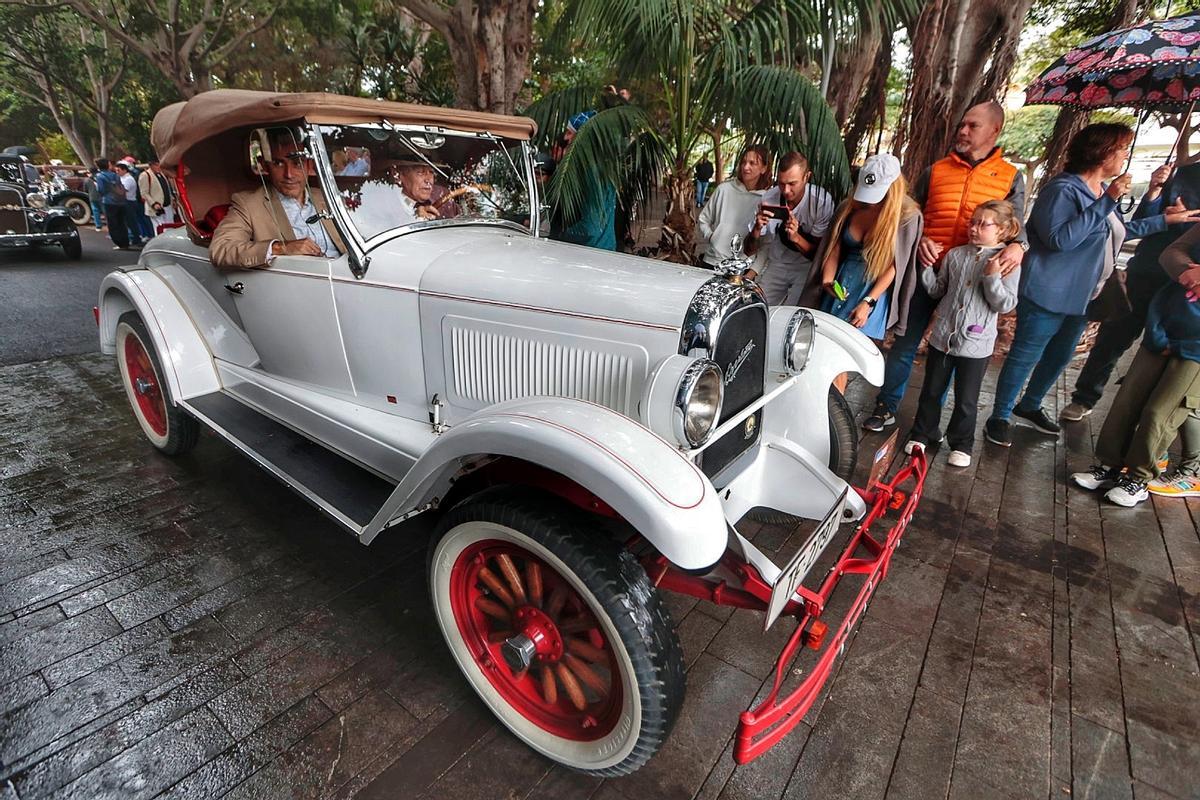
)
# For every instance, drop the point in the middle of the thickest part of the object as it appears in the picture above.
(348, 493)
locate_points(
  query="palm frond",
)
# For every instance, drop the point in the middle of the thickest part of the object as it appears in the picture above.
(641, 34)
(615, 146)
(782, 109)
(553, 111)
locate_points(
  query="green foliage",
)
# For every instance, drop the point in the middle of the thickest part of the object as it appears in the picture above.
(55, 145)
(697, 66)
(1026, 132)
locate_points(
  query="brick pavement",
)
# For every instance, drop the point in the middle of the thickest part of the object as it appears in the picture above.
(191, 629)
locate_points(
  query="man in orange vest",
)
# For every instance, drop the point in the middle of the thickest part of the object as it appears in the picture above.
(948, 192)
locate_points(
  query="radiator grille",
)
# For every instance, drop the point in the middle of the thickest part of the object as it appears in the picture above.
(742, 346)
(491, 367)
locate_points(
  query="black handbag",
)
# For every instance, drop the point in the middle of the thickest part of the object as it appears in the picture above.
(1113, 300)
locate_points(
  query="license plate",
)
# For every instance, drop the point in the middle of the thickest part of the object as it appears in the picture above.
(883, 460)
(798, 568)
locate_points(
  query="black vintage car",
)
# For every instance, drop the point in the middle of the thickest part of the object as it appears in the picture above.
(26, 218)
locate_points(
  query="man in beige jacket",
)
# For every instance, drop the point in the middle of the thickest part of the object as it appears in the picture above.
(155, 198)
(285, 218)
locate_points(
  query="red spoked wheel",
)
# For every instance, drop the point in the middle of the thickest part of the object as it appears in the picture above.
(557, 629)
(538, 642)
(167, 428)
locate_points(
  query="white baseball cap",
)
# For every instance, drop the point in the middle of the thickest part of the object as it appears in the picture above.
(877, 175)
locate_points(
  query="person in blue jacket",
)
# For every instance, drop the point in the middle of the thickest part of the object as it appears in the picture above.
(1075, 233)
(596, 226)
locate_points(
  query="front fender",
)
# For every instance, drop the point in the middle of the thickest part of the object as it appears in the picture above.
(640, 476)
(185, 358)
(801, 414)
(841, 347)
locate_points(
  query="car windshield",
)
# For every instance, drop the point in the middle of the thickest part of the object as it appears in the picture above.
(388, 177)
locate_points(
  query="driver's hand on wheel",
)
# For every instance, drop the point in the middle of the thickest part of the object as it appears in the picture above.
(428, 212)
(297, 247)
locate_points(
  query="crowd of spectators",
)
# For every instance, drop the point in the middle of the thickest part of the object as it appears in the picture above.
(940, 263)
(130, 200)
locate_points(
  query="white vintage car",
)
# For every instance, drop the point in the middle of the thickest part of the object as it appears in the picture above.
(588, 427)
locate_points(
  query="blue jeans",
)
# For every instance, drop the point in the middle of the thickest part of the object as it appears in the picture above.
(701, 192)
(1043, 345)
(143, 222)
(900, 357)
(97, 215)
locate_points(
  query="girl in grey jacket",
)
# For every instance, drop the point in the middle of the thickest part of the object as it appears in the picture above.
(973, 295)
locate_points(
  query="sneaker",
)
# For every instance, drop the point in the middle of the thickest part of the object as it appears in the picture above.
(880, 418)
(959, 459)
(1039, 420)
(997, 431)
(912, 445)
(1175, 485)
(1128, 492)
(1074, 412)
(1098, 477)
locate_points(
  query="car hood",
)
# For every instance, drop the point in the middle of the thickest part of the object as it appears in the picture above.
(498, 266)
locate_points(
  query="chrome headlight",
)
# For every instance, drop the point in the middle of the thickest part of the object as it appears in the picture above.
(36, 200)
(798, 340)
(682, 401)
(698, 402)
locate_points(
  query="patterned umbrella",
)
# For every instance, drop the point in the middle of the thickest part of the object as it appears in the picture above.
(1155, 65)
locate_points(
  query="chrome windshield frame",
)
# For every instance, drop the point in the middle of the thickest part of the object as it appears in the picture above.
(361, 247)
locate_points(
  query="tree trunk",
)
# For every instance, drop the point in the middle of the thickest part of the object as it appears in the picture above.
(853, 71)
(872, 105)
(1070, 121)
(961, 56)
(489, 43)
(678, 239)
(718, 157)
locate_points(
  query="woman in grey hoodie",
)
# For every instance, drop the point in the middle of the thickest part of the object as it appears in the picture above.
(973, 295)
(732, 206)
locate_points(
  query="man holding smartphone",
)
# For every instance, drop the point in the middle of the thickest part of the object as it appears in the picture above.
(791, 220)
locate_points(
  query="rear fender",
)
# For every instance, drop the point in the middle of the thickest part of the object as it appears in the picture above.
(645, 480)
(186, 361)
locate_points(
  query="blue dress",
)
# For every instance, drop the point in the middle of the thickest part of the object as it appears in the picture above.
(852, 275)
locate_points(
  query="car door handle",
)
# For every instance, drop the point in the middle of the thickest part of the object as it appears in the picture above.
(237, 288)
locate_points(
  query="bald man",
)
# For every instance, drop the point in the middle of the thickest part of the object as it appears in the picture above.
(948, 191)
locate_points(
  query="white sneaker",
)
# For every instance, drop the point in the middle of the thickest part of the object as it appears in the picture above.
(959, 459)
(913, 444)
(1098, 477)
(1074, 412)
(1128, 492)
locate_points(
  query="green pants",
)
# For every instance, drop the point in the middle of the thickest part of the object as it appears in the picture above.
(1157, 396)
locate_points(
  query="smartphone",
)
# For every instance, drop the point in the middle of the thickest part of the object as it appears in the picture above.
(839, 291)
(778, 212)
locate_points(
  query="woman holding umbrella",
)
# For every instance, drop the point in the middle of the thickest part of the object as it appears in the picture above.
(1075, 233)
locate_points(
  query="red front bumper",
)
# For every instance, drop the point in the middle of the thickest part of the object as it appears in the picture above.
(764, 725)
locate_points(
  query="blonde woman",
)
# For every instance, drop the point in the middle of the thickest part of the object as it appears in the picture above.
(732, 206)
(859, 265)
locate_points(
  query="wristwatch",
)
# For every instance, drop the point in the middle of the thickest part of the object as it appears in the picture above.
(1023, 245)
(870, 301)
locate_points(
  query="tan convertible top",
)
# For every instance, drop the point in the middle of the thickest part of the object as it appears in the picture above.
(181, 125)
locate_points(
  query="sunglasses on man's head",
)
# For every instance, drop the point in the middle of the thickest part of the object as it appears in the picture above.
(298, 159)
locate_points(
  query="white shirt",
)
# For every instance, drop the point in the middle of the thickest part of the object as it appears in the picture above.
(297, 214)
(355, 169)
(814, 212)
(130, 184)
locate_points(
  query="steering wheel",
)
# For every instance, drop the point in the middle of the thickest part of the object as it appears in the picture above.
(460, 191)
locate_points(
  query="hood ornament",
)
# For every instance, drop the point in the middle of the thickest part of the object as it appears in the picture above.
(736, 265)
